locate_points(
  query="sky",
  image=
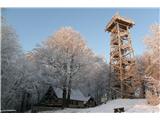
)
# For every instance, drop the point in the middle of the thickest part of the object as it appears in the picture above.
(34, 25)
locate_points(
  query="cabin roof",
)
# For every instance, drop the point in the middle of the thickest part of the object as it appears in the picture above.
(76, 94)
(119, 19)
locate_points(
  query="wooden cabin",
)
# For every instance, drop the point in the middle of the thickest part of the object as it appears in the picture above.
(54, 98)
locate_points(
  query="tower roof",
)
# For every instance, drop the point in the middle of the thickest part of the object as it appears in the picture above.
(119, 19)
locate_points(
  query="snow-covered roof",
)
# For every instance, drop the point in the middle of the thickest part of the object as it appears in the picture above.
(76, 94)
(59, 92)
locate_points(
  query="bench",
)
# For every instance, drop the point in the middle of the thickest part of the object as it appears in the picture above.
(119, 110)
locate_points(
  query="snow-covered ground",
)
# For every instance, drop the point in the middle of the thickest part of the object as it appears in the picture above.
(130, 106)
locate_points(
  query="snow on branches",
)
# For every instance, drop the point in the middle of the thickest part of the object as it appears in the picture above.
(152, 69)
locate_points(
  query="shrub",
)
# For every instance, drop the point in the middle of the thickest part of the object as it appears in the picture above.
(152, 99)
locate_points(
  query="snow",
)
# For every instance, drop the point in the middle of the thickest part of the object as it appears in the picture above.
(130, 106)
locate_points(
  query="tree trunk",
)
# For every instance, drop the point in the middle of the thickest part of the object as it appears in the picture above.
(64, 97)
(22, 108)
(70, 80)
(69, 93)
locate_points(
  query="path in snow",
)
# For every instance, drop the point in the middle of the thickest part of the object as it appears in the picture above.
(130, 106)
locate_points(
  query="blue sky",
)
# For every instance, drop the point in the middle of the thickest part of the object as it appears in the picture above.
(34, 25)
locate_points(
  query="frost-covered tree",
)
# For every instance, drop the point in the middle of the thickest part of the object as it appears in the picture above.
(95, 78)
(153, 44)
(152, 60)
(153, 52)
(100, 79)
(63, 55)
(21, 80)
(67, 62)
(10, 51)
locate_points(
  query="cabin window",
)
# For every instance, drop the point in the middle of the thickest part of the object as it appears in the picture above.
(56, 100)
(74, 102)
(71, 102)
(59, 101)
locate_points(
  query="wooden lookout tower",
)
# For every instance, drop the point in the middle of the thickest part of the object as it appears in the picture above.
(122, 60)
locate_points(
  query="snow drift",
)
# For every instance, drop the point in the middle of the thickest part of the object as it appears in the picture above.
(130, 106)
